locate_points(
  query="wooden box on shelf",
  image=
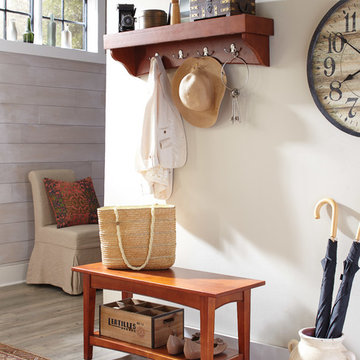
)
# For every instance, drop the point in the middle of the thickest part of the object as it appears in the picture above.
(141, 322)
(203, 9)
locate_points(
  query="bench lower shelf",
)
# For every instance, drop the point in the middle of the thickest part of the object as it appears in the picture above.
(156, 354)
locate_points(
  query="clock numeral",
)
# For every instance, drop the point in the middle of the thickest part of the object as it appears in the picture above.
(329, 64)
(335, 93)
(351, 113)
(336, 44)
(348, 19)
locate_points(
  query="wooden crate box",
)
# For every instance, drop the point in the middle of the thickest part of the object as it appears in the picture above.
(203, 9)
(141, 322)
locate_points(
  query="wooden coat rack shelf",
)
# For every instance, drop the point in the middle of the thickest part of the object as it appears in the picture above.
(250, 34)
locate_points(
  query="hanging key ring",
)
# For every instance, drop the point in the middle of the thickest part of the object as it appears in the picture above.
(228, 62)
(235, 92)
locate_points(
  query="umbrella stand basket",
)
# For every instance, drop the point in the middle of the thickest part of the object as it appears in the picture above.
(311, 348)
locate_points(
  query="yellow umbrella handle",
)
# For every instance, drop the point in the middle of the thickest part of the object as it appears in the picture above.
(334, 216)
(357, 237)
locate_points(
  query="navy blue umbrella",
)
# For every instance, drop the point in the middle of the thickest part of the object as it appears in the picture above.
(343, 296)
(329, 269)
(326, 292)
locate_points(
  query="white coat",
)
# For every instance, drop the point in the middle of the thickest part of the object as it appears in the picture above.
(163, 142)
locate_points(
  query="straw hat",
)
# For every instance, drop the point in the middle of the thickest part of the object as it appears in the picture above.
(198, 89)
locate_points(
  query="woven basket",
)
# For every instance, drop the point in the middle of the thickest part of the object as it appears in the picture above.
(137, 237)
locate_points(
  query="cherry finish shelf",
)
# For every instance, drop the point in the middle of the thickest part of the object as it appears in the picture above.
(249, 33)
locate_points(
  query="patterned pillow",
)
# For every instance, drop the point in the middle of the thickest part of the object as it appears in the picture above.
(74, 203)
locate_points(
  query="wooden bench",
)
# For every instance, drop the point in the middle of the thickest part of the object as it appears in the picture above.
(196, 289)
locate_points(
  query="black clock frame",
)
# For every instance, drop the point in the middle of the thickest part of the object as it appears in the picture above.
(310, 74)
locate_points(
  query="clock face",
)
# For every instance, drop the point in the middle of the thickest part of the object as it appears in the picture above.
(333, 66)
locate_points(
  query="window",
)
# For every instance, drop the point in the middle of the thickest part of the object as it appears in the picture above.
(70, 12)
(19, 10)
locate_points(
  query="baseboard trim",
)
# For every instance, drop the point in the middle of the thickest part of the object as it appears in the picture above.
(11, 274)
(258, 351)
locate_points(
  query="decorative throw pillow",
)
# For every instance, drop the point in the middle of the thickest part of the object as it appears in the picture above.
(74, 203)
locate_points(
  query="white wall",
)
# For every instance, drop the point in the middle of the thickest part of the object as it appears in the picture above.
(245, 198)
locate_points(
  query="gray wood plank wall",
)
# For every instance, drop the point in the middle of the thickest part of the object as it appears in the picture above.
(52, 116)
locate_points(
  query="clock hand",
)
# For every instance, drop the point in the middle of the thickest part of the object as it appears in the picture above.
(351, 76)
(340, 35)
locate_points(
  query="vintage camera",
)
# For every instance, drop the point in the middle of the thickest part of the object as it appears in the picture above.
(126, 17)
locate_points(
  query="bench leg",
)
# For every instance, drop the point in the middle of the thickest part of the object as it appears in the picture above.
(243, 323)
(89, 297)
(126, 295)
(207, 327)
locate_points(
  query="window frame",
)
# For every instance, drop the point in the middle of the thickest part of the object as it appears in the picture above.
(96, 13)
(7, 11)
(64, 21)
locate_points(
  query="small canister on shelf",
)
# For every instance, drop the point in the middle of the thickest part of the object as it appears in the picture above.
(152, 18)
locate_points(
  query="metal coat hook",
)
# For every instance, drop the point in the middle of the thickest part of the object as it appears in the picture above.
(205, 52)
(233, 50)
(156, 54)
(180, 55)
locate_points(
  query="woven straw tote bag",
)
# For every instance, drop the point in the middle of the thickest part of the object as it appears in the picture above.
(138, 237)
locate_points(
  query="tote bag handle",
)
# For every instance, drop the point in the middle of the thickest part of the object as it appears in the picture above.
(152, 226)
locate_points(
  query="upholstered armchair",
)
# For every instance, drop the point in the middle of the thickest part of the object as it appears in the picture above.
(57, 250)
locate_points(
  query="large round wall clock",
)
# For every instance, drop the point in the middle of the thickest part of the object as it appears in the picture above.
(333, 66)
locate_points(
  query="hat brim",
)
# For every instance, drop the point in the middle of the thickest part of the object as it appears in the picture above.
(213, 68)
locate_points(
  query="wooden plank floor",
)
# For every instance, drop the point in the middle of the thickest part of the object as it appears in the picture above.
(45, 320)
